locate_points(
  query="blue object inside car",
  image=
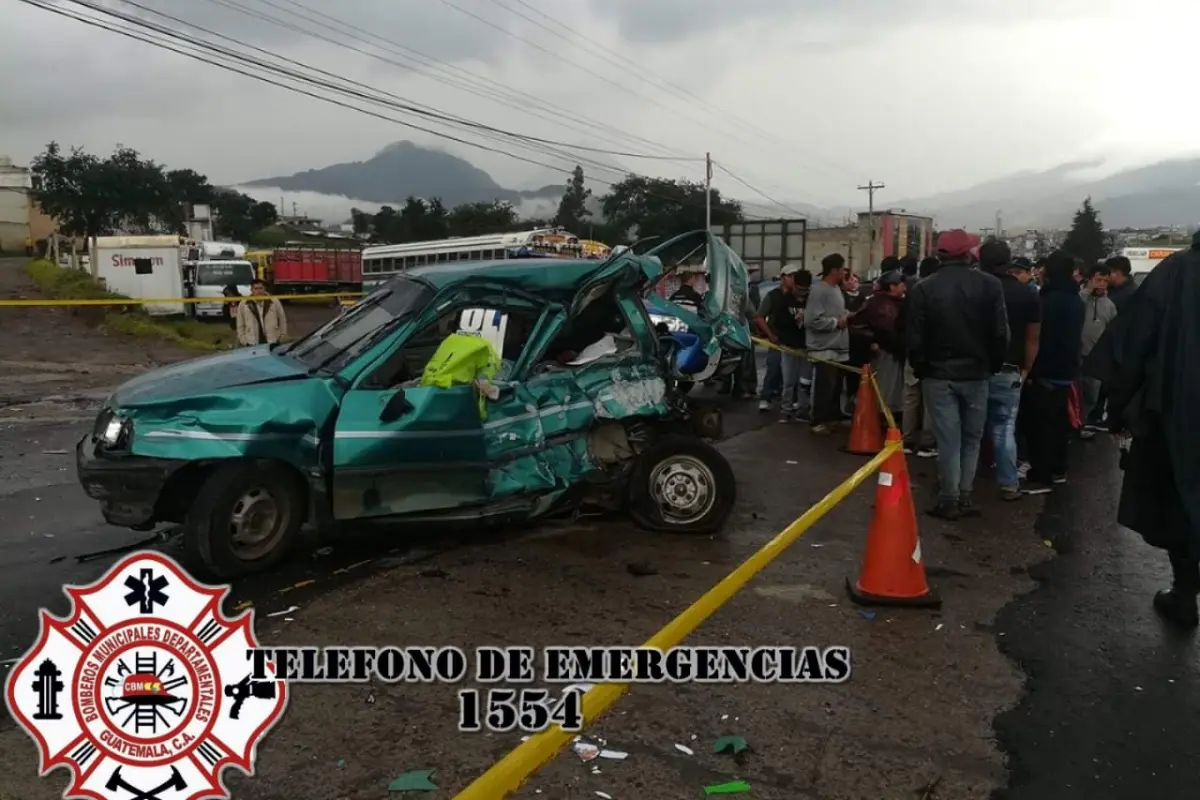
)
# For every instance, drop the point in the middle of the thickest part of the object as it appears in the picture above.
(690, 358)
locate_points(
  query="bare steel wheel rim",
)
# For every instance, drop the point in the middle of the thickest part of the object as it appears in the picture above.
(684, 488)
(256, 524)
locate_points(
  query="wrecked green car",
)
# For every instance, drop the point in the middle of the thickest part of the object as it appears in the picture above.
(383, 413)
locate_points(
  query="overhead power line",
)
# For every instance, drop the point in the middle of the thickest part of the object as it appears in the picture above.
(758, 191)
(148, 33)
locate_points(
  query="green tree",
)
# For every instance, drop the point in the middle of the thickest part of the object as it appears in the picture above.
(572, 209)
(479, 219)
(387, 226)
(361, 221)
(639, 207)
(1086, 239)
(70, 188)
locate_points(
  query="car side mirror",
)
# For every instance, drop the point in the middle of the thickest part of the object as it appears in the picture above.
(395, 408)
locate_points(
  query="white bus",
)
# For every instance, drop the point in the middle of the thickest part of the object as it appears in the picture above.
(382, 262)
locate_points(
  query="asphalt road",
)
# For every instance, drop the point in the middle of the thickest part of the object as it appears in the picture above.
(1113, 703)
(54, 534)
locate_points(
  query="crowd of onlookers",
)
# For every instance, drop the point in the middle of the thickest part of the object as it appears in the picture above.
(978, 354)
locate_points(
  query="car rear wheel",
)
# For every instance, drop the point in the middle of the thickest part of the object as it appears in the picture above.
(681, 484)
(245, 518)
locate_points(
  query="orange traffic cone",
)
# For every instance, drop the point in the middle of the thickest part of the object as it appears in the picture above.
(866, 434)
(893, 573)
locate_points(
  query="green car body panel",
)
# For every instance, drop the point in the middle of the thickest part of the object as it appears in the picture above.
(529, 444)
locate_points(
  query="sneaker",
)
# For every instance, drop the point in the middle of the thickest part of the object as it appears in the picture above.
(1022, 469)
(967, 508)
(800, 415)
(821, 430)
(927, 452)
(1087, 434)
(1093, 427)
(1037, 487)
(764, 405)
(1010, 493)
(1059, 480)
(945, 510)
(908, 451)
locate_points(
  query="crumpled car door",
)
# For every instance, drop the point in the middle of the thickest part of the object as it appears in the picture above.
(721, 320)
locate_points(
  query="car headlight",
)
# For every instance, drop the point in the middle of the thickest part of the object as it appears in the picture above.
(115, 431)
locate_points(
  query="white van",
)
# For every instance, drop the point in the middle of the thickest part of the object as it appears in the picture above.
(210, 267)
(1144, 259)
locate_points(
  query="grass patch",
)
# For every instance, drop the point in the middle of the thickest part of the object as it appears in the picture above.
(73, 284)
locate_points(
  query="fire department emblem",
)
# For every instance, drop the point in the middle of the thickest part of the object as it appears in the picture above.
(144, 691)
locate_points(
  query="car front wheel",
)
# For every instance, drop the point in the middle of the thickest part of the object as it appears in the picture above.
(682, 484)
(245, 518)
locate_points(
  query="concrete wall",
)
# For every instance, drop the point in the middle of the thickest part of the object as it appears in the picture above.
(14, 219)
(853, 242)
(40, 225)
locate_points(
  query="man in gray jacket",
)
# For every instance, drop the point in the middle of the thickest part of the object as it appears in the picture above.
(828, 339)
(1099, 311)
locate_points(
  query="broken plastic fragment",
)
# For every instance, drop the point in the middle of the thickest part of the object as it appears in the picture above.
(285, 612)
(867, 614)
(615, 755)
(585, 750)
(733, 787)
(733, 744)
(687, 751)
(604, 795)
(417, 780)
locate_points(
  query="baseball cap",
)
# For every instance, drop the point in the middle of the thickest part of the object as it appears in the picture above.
(891, 278)
(1021, 262)
(955, 243)
(790, 269)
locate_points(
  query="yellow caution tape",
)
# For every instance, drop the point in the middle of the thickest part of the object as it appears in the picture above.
(124, 301)
(509, 773)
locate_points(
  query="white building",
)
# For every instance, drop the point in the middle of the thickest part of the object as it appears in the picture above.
(15, 185)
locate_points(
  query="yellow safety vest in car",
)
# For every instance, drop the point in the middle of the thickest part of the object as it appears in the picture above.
(462, 359)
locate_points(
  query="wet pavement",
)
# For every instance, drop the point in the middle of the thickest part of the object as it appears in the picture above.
(1113, 709)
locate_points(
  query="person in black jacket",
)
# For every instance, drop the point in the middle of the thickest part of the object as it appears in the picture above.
(957, 336)
(1054, 372)
(1121, 287)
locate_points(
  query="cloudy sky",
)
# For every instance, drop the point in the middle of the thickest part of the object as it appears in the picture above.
(802, 99)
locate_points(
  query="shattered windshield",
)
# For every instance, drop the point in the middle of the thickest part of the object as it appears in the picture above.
(341, 339)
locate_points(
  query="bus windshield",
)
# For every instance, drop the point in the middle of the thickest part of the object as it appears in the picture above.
(218, 273)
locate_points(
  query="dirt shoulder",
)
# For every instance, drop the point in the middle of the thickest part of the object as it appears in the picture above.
(917, 710)
(65, 354)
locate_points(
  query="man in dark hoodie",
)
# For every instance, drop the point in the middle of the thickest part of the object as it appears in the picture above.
(908, 268)
(1054, 373)
(1146, 359)
(957, 337)
(1121, 287)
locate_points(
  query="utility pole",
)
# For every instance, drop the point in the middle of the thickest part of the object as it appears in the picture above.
(999, 229)
(870, 189)
(708, 174)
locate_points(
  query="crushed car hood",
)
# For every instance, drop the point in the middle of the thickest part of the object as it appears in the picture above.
(243, 367)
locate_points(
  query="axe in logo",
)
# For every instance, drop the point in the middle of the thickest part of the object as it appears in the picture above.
(175, 782)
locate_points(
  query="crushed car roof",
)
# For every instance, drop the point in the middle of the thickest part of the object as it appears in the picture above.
(554, 275)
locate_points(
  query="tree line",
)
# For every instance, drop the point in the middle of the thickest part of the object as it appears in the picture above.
(637, 206)
(93, 196)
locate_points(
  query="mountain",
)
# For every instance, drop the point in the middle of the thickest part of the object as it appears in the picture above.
(1165, 193)
(404, 169)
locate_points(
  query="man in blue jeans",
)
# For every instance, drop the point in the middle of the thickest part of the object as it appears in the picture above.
(957, 337)
(1004, 390)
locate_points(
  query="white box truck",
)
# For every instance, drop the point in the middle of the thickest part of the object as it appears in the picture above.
(149, 267)
(211, 266)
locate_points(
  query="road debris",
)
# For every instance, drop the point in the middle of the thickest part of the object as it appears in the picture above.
(284, 612)
(687, 751)
(585, 750)
(731, 744)
(733, 787)
(417, 780)
(614, 755)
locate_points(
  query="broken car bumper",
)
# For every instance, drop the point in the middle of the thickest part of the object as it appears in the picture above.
(128, 487)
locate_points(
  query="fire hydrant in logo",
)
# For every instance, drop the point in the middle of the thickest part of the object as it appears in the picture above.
(144, 692)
